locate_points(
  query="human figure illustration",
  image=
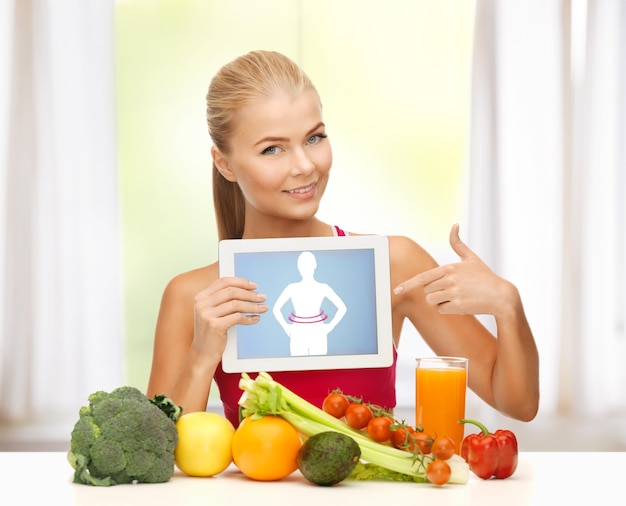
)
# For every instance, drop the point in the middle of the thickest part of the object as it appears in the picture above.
(307, 325)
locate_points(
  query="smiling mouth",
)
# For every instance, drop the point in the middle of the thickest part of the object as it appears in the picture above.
(303, 190)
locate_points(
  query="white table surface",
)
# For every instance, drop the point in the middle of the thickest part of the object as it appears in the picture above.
(541, 478)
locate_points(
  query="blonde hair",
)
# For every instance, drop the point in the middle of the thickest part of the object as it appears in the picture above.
(248, 78)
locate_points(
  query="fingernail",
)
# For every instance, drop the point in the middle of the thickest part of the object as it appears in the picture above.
(261, 296)
(398, 289)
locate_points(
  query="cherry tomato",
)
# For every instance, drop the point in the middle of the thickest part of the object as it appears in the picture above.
(423, 441)
(438, 472)
(335, 404)
(378, 428)
(358, 415)
(399, 438)
(443, 448)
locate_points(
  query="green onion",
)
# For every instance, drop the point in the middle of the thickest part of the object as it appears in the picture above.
(265, 396)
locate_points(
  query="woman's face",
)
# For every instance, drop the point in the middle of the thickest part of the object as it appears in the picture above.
(279, 156)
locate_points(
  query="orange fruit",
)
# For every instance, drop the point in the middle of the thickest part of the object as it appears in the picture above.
(266, 449)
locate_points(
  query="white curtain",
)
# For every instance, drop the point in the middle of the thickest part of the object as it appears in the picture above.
(547, 185)
(60, 311)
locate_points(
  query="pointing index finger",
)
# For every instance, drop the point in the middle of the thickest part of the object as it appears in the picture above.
(421, 279)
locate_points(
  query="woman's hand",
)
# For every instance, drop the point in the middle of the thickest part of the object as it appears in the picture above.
(225, 302)
(466, 287)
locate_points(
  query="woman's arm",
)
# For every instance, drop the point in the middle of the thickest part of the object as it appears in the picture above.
(197, 309)
(441, 302)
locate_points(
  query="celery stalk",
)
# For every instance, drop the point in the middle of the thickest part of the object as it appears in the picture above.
(265, 396)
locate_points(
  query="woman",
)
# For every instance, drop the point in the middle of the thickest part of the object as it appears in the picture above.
(271, 163)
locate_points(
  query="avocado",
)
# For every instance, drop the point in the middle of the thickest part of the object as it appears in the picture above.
(328, 457)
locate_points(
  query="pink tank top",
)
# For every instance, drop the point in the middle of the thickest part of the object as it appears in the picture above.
(374, 385)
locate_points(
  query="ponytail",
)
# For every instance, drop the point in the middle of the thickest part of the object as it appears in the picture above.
(229, 206)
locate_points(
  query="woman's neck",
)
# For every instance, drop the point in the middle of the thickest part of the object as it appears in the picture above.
(286, 228)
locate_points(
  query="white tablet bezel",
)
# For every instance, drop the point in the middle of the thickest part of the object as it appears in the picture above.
(381, 357)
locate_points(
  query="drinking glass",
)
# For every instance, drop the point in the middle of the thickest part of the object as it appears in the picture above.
(440, 387)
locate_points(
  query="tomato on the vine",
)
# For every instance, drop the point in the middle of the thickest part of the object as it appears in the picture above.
(423, 441)
(399, 438)
(407, 438)
(438, 472)
(443, 448)
(378, 428)
(358, 415)
(335, 404)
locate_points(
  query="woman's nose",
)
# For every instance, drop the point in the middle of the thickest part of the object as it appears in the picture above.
(302, 163)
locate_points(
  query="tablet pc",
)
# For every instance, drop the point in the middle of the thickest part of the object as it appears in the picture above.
(329, 303)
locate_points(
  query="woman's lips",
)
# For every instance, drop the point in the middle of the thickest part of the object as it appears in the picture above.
(303, 191)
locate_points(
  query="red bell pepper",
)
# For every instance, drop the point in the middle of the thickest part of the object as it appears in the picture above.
(490, 454)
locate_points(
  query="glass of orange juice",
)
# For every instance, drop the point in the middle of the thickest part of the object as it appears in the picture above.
(440, 387)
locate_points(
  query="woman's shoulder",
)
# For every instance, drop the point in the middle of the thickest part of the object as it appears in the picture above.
(407, 257)
(402, 245)
(189, 283)
(405, 254)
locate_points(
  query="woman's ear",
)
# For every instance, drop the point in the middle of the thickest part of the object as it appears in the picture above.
(222, 165)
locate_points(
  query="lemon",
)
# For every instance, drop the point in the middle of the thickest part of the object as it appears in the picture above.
(204, 443)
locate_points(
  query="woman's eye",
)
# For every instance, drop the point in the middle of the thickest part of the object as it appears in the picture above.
(271, 150)
(314, 139)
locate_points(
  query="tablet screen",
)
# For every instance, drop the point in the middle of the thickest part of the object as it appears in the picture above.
(328, 298)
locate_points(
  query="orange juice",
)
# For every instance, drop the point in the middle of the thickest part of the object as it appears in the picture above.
(440, 386)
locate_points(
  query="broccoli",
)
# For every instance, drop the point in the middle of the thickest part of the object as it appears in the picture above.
(124, 437)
